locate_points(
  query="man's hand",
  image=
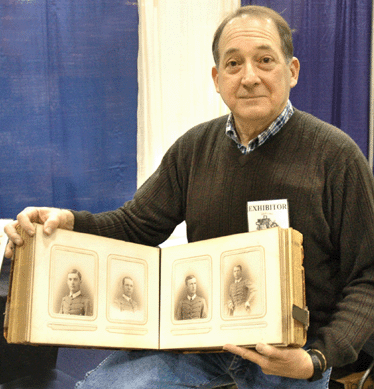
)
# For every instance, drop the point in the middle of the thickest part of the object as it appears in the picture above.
(52, 218)
(286, 362)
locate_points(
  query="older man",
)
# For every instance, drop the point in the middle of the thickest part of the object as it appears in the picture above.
(265, 149)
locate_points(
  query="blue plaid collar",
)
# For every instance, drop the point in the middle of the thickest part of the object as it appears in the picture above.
(274, 127)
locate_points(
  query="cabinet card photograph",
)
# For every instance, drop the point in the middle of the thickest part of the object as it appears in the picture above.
(73, 283)
(127, 289)
(191, 292)
(243, 284)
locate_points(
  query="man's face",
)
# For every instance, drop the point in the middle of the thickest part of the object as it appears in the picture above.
(128, 287)
(191, 286)
(253, 77)
(237, 273)
(74, 283)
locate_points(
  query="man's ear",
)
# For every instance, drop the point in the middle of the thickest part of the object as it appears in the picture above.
(215, 78)
(295, 69)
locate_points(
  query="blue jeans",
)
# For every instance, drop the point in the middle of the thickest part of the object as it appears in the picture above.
(167, 370)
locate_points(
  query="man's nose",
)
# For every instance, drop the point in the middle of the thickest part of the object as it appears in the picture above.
(250, 75)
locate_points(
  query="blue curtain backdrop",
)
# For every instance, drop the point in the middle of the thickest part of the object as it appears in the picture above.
(68, 92)
(68, 102)
(332, 40)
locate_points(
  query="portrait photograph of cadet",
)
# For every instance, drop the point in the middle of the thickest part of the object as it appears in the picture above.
(75, 302)
(191, 294)
(127, 290)
(241, 293)
(191, 306)
(242, 284)
(125, 302)
(73, 283)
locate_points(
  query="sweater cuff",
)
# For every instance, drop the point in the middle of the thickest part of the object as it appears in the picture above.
(81, 220)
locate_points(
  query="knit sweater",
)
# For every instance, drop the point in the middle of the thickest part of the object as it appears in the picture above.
(205, 180)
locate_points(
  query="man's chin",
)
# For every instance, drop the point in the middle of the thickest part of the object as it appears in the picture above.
(256, 116)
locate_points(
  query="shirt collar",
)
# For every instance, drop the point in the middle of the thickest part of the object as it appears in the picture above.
(191, 298)
(126, 297)
(274, 128)
(75, 294)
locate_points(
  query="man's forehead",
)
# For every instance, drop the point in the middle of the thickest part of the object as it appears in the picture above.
(256, 29)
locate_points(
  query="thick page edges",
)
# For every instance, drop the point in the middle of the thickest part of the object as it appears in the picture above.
(103, 263)
(19, 298)
(271, 262)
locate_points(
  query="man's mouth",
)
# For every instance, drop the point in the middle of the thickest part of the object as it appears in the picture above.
(249, 97)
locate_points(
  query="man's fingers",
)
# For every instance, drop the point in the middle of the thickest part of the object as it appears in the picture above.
(56, 218)
(259, 355)
(14, 238)
(268, 351)
(26, 218)
(243, 352)
(9, 250)
(286, 362)
(10, 230)
(52, 218)
(51, 223)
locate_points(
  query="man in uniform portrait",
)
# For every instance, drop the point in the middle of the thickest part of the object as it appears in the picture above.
(125, 302)
(191, 306)
(75, 303)
(241, 294)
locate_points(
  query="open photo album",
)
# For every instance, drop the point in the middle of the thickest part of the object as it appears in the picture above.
(76, 289)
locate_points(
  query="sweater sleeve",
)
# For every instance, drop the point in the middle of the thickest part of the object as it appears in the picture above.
(350, 204)
(156, 209)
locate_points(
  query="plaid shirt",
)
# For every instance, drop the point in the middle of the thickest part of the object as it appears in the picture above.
(274, 127)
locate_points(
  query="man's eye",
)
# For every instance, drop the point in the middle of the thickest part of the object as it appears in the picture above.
(232, 64)
(266, 60)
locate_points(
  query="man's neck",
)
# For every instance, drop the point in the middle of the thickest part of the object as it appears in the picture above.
(249, 131)
(76, 294)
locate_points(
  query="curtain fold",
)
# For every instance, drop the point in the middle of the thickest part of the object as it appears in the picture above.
(68, 102)
(332, 40)
(176, 90)
(68, 88)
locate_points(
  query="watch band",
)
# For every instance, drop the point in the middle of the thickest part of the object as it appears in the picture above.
(319, 364)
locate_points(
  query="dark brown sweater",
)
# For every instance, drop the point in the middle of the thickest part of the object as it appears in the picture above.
(205, 180)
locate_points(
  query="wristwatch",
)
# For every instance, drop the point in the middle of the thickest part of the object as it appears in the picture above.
(319, 364)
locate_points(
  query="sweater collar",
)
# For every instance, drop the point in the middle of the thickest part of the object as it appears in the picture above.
(273, 129)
